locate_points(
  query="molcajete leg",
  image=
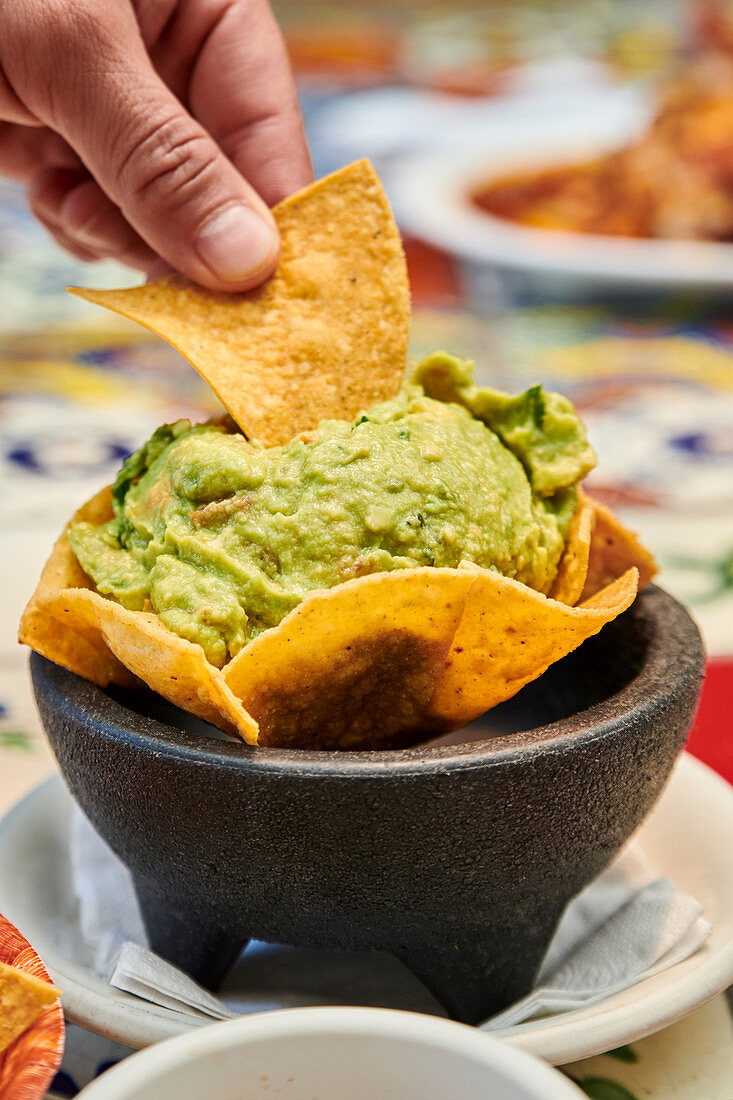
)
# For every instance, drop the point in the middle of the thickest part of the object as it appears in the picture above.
(476, 975)
(195, 943)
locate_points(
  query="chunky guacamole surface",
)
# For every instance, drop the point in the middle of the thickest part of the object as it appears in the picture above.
(222, 537)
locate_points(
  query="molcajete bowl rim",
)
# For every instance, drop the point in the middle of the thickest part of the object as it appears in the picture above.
(673, 659)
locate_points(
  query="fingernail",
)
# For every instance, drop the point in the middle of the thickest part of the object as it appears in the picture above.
(236, 244)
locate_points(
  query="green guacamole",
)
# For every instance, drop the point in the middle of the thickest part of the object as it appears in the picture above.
(222, 537)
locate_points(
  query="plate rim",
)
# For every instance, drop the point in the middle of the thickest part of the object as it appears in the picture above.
(133, 1022)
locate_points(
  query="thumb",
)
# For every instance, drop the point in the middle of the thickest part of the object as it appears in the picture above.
(167, 175)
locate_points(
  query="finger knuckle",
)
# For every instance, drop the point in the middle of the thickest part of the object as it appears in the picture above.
(166, 162)
(36, 206)
(83, 207)
(41, 196)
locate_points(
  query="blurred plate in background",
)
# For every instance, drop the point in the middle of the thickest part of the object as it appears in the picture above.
(431, 193)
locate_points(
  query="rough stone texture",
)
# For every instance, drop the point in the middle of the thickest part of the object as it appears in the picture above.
(459, 858)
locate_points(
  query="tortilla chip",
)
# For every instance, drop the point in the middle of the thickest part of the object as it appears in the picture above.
(352, 667)
(613, 549)
(102, 641)
(23, 998)
(71, 644)
(326, 336)
(509, 635)
(573, 567)
(173, 667)
(598, 549)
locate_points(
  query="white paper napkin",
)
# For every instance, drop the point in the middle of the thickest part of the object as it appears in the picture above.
(625, 926)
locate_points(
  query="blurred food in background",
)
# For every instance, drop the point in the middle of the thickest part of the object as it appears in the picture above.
(675, 181)
(353, 55)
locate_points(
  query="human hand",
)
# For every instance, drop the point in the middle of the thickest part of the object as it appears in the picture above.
(153, 130)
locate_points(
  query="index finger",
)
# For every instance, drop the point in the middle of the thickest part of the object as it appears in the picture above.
(243, 92)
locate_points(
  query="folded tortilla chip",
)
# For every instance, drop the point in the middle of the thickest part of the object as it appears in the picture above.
(573, 568)
(71, 643)
(326, 336)
(102, 641)
(509, 635)
(613, 548)
(353, 666)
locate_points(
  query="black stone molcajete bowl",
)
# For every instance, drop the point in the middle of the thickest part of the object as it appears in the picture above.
(459, 858)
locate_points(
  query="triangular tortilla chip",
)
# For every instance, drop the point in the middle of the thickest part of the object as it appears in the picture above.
(613, 549)
(598, 549)
(23, 998)
(352, 667)
(42, 627)
(573, 567)
(509, 635)
(170, 665)
(326, 336)
(102, 641)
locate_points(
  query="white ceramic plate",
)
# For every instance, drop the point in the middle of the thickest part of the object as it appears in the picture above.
(688, 838)
(430, 193)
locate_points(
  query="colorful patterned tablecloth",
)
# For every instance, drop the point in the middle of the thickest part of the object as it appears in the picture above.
(654, 381)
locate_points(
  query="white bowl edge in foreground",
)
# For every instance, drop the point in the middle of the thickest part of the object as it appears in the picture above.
(330, 1054)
